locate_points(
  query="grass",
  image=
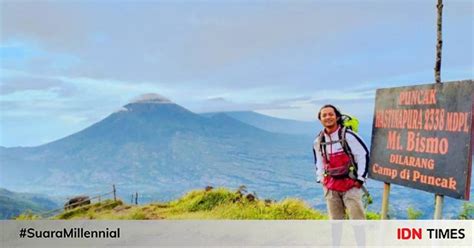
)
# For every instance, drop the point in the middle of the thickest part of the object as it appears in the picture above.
(28, 216)
(101, 210)
(217, 203)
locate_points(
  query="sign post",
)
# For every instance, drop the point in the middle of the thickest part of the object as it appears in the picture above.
(422, 139)
(385, 196)
(438, 214)
(439, 199)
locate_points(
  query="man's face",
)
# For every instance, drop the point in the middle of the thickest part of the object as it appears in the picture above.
(328, 118)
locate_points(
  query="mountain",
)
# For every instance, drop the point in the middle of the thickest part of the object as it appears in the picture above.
(13, 204)
(160, 149)
(286, 126)
(272, 124)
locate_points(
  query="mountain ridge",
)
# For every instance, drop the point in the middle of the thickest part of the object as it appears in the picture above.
(152, 147)
(14, 203)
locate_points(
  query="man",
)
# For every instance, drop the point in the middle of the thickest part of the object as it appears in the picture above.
(341, 165)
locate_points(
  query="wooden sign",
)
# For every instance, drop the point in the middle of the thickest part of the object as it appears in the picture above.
(422, 137)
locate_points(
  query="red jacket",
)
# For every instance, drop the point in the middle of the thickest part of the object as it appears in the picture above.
(337, 157)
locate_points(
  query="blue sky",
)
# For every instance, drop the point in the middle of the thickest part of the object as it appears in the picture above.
(67, 64)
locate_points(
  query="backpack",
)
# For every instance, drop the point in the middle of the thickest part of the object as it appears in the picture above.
(340, 171)
(350, 122)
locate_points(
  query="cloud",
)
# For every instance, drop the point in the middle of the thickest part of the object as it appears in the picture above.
(221, 104)
(83, 59)
(293, 46)
(9, 85)
(30, 57)
(73, 119)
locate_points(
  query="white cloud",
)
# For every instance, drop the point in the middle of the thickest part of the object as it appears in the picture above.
(283, 58)
(72, 119)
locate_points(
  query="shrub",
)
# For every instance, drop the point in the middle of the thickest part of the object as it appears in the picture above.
(413, 214)
(200, 200)
(467, 212)
(28, 215)
(373, 216)
(138, 215)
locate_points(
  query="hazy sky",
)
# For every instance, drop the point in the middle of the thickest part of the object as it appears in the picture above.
(68, 64)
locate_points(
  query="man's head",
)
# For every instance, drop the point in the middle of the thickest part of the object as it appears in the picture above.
(330, 117)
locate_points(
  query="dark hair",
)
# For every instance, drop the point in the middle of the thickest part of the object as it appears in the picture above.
(336, 111)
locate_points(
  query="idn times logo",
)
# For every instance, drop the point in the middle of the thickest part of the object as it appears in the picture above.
(404, 233)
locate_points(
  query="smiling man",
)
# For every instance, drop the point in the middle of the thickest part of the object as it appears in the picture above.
(341, 158)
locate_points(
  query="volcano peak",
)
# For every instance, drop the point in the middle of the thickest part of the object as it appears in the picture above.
(151, 98)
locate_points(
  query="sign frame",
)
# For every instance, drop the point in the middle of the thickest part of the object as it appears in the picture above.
(418, 140)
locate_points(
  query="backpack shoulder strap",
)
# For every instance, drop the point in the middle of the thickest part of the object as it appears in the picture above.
(348, 151)
(342, 133)
(322, 145)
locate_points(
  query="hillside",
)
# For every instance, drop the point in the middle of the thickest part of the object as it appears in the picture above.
(13, 203)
